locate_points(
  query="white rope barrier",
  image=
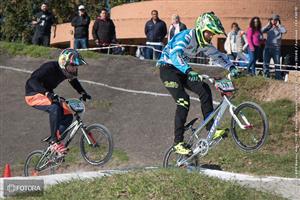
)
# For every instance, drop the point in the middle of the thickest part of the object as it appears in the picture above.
(197, 64)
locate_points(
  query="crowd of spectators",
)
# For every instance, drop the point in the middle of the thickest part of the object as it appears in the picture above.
(243, 47)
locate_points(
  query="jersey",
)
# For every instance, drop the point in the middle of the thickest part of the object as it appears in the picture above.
(183, 46)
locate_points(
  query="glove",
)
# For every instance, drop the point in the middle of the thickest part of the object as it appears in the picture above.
(53, 97)
(234, 71)
(85, 96)
(194, 76)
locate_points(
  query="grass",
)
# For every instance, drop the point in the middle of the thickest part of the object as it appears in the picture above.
(277, 156)
(15, 49)
(74, 157)
(74, 160)
(20, 49)
(158, 184)
(100, 104)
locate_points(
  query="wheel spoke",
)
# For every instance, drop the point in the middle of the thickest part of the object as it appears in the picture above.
(100, 151)
(254, 133)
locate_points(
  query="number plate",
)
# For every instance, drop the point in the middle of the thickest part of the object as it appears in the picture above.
(225, 85)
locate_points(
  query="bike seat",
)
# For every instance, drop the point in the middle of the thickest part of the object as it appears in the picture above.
(46, 139)
(190, 124)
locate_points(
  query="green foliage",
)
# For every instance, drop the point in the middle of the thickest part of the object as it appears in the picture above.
(18, 15)
(17, 48)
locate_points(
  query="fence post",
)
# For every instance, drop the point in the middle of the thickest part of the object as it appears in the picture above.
(153, 53)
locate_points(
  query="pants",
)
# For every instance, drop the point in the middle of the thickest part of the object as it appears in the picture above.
(176, 82)
(39, 39)
(80, 43)
(275, 54)
(149, 52)
(233, 55)
(253, 56)
(60, 118)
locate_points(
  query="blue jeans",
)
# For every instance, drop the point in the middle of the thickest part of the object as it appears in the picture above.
(253, 56)
(275, 54)
(81, 43)
(232, 56)
(58, 121)
(149, 52)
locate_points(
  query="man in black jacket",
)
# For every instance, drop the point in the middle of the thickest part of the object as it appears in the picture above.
(155, 31)
(104, 32)
(81, 24)
(43, 22)
(40, 95)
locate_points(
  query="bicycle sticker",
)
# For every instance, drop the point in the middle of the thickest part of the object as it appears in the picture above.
(225, 85)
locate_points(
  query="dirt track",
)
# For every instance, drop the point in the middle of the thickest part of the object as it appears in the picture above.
(142, 125)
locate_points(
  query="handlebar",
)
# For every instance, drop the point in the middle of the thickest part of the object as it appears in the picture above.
(64, 99)
(212, 79)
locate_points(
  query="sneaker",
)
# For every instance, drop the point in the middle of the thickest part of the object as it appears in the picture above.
(59, 148)
(219, 133)
(181, 148)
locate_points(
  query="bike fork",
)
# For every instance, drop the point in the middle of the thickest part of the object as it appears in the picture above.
(247, 126)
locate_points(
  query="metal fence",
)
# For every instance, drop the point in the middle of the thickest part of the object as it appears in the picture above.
(198, 60)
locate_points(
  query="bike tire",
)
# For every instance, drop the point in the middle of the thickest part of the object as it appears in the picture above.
(85, 147)
(260, 129)
(29, 160)
(167, 163)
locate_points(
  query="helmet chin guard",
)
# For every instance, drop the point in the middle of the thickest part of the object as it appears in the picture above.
(207, 22)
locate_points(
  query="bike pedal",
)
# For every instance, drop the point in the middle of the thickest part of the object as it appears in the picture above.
(225, 135)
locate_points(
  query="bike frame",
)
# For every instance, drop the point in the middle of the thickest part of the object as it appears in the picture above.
(218, 112)
(71, 130)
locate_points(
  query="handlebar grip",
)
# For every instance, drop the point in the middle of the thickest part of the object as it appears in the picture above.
(211, 80)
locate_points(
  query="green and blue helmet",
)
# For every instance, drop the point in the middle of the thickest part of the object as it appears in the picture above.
(207, 22)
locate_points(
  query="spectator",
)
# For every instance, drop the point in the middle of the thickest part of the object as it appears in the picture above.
(274, 31)
(236, 42)
(176, 26)
(255, 39)
(155, 31)
(81, 24)
(1, 23)
(43, 21)
(104, 32)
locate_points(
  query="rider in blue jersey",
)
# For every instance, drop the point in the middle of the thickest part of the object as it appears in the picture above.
(176, 74)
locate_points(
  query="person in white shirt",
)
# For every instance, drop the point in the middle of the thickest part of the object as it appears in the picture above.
(236, 42)
(176, 27)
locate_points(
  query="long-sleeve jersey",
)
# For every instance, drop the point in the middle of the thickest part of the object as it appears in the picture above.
(183, 46)
(274, 35)
(47, 78)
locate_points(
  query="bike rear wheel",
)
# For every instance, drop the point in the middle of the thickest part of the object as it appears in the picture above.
(33, 164)
(171, 159)
(100, 151)
(256, 126)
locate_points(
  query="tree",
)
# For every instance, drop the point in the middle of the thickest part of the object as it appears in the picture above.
(16, 15)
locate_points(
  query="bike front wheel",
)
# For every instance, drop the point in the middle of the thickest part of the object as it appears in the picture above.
(171, 159)
(255, 127)
(100, 150)
(37, 164)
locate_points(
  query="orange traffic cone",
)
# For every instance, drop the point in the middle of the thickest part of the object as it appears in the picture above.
(7, 172)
